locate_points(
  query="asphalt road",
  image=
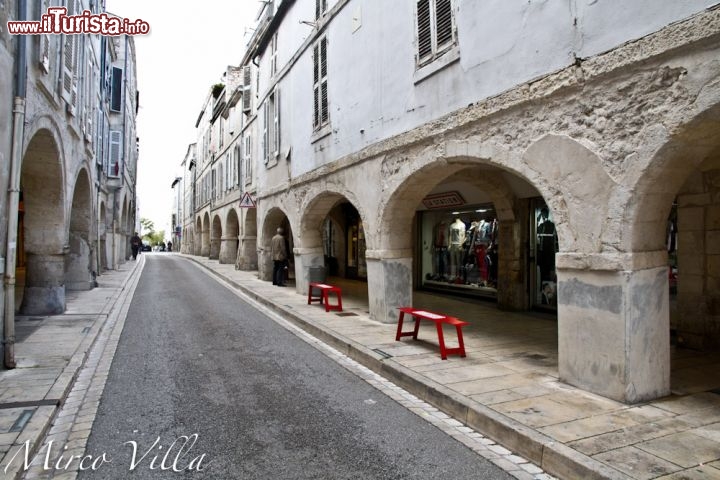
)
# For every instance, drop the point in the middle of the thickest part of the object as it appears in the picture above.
(195, 361)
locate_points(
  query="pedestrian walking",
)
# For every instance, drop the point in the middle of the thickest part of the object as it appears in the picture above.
(169, 247)
(135, 244)
(279, 254)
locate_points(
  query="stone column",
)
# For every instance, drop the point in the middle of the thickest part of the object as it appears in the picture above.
(44, 285)
(78, 263)
(205, 244)
(512, 268)
(389, 283)
(247, 254)
(304, 259)
(265, 264)
(228, 249)
(214, 252)
(613, 324)
(197, 244)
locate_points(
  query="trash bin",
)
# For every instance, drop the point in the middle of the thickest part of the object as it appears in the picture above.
(316, 273)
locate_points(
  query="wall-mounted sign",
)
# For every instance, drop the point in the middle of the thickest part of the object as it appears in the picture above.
(246, 201)
(443, 200)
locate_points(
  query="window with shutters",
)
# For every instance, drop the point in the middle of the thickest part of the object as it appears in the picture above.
(115, 150)
(238, 162)
(116, 90)
(271, 128)
(227, 160)
(247, 89)
(321, 115)
(214, 184)
(435, 29)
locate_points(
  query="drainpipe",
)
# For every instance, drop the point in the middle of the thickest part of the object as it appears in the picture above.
(18, 133)
(114, 230)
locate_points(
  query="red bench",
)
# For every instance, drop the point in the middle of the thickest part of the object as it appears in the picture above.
(322, 297)
(439, 320)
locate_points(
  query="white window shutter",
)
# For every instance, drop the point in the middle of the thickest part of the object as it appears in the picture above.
(247, 88)
(266, 133)
(424, 30)
(115, 152)
(67, 70)
(444, 24)
(276, 123)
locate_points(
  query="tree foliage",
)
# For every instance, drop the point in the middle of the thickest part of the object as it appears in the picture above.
(149, 234)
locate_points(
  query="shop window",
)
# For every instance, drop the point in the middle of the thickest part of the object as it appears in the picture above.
(459, 250)
(545, 248)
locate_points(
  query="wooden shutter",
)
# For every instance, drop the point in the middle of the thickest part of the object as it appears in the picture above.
(324, 113)
(443, 23)
(276, 122)
(266, 133)
(115, 152)
(424, 30)
(116, 90)
(248, 160)
(247, 89)
(316, 86)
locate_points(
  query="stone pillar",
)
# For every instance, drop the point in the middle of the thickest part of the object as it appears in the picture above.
(389, 283)
(613, 324)
(247, 254)
(214, 252)
(265, 264)
(44, 285)
(78, 263)
(304, 259)
(205, 244)
(228, 249)
(197, 244)
(512, 269)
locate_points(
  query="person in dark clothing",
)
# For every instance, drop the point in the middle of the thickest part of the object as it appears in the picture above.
(279, 255)
(135, 244)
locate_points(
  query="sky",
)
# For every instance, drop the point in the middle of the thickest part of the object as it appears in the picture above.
(189, 47)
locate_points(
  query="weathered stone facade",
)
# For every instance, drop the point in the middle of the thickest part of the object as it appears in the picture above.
(68, 214)
(608, 142)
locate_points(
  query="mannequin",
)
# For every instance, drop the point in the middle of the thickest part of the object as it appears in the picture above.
(546, 245)
(457, 239)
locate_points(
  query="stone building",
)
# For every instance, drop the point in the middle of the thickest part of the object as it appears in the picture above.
(562, 156)
(219, 167)
(68, 155)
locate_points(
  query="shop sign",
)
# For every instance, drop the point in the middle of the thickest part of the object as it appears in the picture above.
(443, 200)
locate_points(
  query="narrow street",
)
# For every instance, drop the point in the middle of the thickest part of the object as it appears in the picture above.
(195, 359)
